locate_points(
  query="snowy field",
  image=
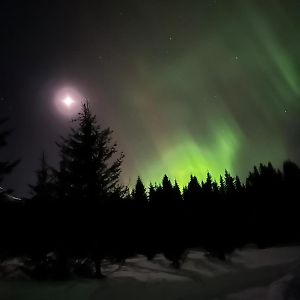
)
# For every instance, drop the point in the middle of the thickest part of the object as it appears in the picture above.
(268, 274)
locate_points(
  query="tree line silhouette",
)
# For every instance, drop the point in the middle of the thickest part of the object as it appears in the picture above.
(79, 214)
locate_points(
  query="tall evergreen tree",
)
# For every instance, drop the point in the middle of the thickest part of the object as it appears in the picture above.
(229, 183)
(88, 161)
(177, 193)
(43, 187)
(167, 189)
(208, 184)
(139, 218)
(88, 177)
(222, 186)
(238, 185)
(193, 191)
(139, 193)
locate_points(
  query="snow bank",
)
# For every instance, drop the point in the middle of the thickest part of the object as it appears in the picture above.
(251, 274)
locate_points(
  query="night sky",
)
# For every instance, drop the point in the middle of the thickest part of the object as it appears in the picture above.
(187, 86)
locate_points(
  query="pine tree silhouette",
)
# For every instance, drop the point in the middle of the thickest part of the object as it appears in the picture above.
(139, 193)
(43, 189)
(88, 179)
(139, 218)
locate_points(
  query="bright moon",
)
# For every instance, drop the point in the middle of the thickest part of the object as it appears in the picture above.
(68, 101)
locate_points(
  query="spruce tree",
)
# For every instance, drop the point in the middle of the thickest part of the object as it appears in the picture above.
(138, 218)
(229, 184)
(88, 177)
(222, 186)
(177, 193)
(91, 173)
(43, 188)
(139, 194)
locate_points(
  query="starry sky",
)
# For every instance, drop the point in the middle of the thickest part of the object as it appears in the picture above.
(187, 86)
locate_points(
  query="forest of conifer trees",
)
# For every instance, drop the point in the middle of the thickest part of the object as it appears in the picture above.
(80, 211)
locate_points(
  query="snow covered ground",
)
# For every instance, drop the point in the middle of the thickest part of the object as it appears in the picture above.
(268, 274)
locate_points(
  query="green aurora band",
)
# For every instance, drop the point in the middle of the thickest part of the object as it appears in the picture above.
(222, 93)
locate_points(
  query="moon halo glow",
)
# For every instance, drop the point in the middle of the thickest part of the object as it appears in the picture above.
(67, 101)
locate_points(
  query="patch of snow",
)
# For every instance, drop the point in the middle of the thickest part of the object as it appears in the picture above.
(268, 274)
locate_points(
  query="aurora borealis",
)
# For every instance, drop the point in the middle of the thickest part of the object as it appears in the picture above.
(226, 102)
(187, 86)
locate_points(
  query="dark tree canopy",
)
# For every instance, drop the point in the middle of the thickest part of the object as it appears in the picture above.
(44, 184)
(139, 193)
(88, 170)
